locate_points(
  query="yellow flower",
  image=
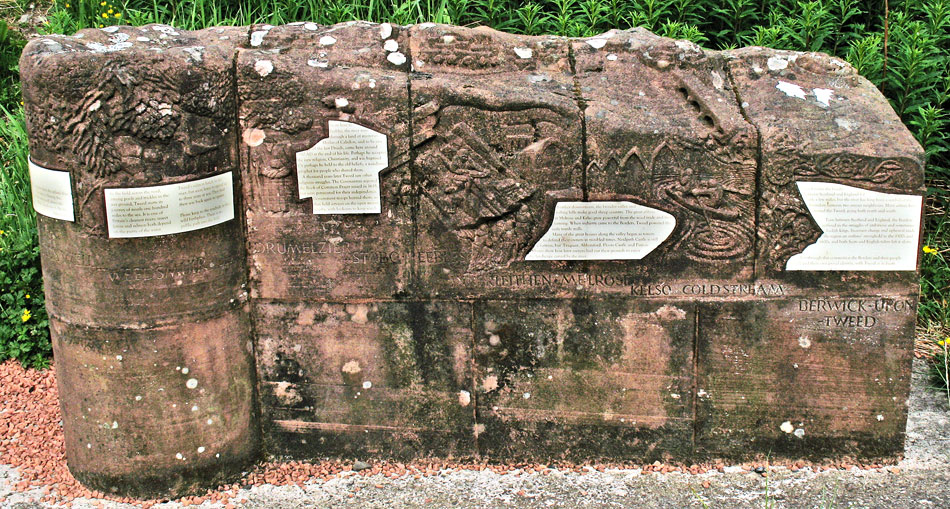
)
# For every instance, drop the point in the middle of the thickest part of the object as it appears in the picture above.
(118, 14)
(67, 6)
(104, 15)
(929, 250)
(945, 342)
(1, 232)
(27, 296)
(110, 11)
(102, 4)
(26, 315)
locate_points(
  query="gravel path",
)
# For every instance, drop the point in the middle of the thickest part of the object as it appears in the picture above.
(921, 480)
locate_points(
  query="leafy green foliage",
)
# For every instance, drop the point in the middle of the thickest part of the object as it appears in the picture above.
(909, 62)
(24, 325)
(11, 44)
(24, 328)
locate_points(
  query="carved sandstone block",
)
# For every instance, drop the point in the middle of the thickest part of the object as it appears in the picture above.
(381, 378)
(117, 110)
(465, 243)
(159, 410)
(820, 121)
(496, 142)
(663, 129)
(811, 377)
(293, 81)
(584, 379)
(128, 108)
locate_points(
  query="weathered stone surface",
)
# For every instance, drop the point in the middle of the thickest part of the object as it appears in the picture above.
(101, 282)
(130, 107)
(382, 378)
(819, 120)
(584, 379)
(810, 377)
(422, 330)
(159, 410)
(497, 140)
(117, 111)
(292, 80)
(663, 129)
(127, 108)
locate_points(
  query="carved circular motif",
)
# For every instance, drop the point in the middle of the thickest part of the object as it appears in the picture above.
(717, 240)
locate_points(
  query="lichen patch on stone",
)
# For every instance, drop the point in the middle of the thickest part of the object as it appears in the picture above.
(263, 67)
(791, 89)
(257, 37)
(823, 96)
(253, 137)
(524, 53)
(776, 63)
(396, 58)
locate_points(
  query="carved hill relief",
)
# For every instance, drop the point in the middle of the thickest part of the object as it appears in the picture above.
(488, 159)
(472, 185)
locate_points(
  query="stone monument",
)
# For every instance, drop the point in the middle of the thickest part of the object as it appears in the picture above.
(370, 240)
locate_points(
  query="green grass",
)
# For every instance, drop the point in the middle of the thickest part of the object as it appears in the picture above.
(940, 369)
(913, 73)
(24, 328)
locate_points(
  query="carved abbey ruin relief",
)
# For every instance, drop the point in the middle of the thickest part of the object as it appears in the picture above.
(403, 241)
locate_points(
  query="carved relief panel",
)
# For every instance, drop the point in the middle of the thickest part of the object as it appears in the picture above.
(294, 81)
(489, 162)
(819, 121)
(673, 138)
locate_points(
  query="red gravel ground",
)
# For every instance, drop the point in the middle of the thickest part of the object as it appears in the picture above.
(31, 439)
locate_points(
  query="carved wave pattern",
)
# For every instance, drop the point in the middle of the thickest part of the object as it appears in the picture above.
(713, 211)
(716, 240)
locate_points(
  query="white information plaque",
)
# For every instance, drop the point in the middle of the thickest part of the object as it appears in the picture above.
(602, 230)
(862, 230)
(170, 209)
(52, 192)
(341, 172)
